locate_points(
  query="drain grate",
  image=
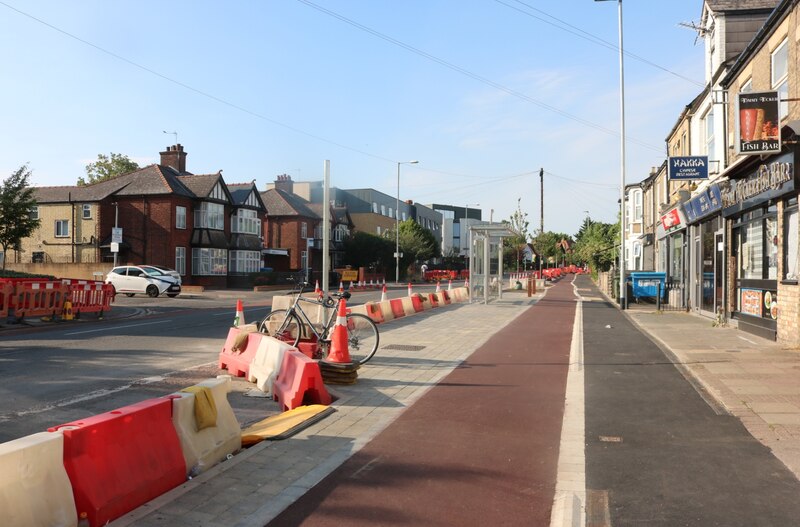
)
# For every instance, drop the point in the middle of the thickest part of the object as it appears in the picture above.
(403, 347)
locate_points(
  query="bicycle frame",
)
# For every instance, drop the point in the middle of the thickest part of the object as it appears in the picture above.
(304, 318)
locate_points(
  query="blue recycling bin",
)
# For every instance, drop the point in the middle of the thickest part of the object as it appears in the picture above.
(648, 284)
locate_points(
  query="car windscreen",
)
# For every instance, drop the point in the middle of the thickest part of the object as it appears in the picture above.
(152, 271)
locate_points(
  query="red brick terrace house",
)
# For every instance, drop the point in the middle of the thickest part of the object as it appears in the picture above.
(289, 232)
(192, 223)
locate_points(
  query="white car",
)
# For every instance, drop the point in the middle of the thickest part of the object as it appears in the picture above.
(132, 279)
(165, 270)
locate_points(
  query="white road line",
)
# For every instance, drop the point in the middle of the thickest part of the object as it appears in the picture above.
(248, 309)
(569, 503)
(95, 394)
(112, 328)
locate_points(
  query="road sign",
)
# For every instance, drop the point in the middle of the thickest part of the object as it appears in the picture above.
(116, 235)
(114, 247)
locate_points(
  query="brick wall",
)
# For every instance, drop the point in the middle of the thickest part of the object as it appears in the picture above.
(80, 244)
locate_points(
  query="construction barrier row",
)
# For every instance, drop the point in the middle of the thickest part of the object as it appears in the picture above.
(20, 298)
(98, 469)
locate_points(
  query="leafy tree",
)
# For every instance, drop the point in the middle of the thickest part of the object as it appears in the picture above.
(417, 242)
(107, 167)
(597, 245)
(547, 245)
(368, 250)
(513, 246)
(16, 202)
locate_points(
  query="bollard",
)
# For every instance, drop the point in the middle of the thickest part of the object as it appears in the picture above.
(530, 292)
(658, 297)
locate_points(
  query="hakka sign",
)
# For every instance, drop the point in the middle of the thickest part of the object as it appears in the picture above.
(688, 167)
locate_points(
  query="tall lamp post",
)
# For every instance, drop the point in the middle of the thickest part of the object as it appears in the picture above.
(622, 288)
(397, 223)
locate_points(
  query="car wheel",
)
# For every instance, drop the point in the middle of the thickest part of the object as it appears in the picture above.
(129, 294)
(172, 295)
(152, 291)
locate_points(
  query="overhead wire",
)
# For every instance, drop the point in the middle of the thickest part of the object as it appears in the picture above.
(475, 76)
(580, 33)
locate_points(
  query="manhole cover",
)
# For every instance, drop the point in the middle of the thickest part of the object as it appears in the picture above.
(404, 347)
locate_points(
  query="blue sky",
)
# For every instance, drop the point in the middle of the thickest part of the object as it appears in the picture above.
(487, 96)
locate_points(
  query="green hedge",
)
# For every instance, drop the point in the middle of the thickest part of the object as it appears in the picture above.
(16, 274)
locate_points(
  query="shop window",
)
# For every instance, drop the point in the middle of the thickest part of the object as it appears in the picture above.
(790, 234)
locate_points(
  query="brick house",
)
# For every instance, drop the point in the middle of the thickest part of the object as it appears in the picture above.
(168, 216)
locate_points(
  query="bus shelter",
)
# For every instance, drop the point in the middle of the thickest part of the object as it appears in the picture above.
(486, 260)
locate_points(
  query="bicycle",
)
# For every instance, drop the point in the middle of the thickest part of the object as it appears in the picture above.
(292, 324)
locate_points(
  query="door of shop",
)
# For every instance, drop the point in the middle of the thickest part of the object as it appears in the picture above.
(710, 257)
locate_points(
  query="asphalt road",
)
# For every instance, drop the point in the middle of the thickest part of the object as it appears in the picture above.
(52, 374)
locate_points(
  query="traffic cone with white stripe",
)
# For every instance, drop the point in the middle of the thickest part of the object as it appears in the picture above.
(341, 288)
(383, 294)
(409, 289)
(438, 287)
(449, 285)
(317, 290)
(339, 352)
(238, 319)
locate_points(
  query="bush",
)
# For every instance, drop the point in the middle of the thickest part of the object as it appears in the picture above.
(5, 273)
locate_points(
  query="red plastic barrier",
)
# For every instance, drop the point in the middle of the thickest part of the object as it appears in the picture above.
(446, 297)
(299, 382)
(397, 307)
(38, 299)
(237, 362)
(121, 459)
(374, 312)
(432, 298)
(416, 301)
(94, 297)
(6, 294)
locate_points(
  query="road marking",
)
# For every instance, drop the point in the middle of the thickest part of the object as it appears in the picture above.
(570, 498)
(110, 328)
(611, 439)
(748, 340)
(249, 309)
(96, 394)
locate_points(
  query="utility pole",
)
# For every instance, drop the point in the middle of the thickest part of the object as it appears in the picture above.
(541, 198)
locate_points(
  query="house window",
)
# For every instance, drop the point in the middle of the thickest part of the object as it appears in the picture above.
(747, 87)
(246, 222)
(62, 228)
(684, 145)
(208, 262)
(383, 210)
(637, 206)
(180, 260)
(340, 233)
(780, 75)
(304, 260)
(210, 216)
(391, 212)
(304, 230)
(34, 213)
(374, 207)
(405, 217)
(87, 211)
(245, 261)
(791, 262)
(180, 218)
(708, 128)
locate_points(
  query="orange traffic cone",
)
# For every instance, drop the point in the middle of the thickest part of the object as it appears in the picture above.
(238, 319)
(351, 285)
(449, 285)
(466, 283)
(383, 294)
(317, 290)
(409, 289)
(341, 288)
(339, 352)
(438, 287)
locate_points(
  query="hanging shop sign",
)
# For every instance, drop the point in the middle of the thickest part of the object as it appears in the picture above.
(673, 220)
(758, 303)
(706, 202)
(688, 167)
(768, 181)
(758, 123)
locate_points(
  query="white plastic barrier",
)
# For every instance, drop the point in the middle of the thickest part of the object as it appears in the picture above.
(202, 449)
(408, 306)
(35, 490)
(386, 309)
(267, 362)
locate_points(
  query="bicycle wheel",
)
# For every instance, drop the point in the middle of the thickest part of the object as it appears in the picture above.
(362, 337)
(282, 325)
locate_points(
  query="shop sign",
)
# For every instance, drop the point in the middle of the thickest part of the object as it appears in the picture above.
(673, 220)
(768, 181)
(758, 123)
(705, 203)
(758, 303)
(688, 167)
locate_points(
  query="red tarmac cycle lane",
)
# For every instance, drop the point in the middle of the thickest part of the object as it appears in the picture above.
(479, 448)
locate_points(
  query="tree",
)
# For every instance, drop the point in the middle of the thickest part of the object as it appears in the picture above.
(16, 202)
(417, 242)
(107, 167)
(597, 245)
(547, 244)
(513, 246)
(367, 250)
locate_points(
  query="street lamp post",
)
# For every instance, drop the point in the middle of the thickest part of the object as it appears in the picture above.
(622, 288)
(397, 223)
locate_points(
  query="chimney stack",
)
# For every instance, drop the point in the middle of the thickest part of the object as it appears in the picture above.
(175, 158)
(284, 182)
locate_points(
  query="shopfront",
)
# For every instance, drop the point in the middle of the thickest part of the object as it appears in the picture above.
(756, 200)
(707, 265)
(672, 243)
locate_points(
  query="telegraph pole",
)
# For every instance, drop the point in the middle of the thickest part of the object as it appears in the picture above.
(541, 198)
